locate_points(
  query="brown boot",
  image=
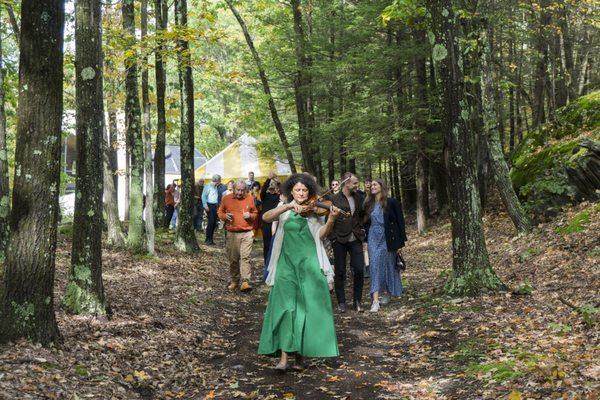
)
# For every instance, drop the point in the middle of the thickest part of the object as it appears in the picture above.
(232, 286)
(245, 286)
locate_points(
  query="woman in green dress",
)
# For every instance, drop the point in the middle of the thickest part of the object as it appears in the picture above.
(299, 316)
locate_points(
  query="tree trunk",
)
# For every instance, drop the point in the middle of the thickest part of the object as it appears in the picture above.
(85, 292)
(4, 178)
(185, 238)
(147, 129)
(161, 11)
(498, 163)
(421, 168)
(441, 185)
(135, 234)
(28, 296)
(14, 23)
(301, 87)
(472, 273)
(541, 66)
(266, 87)
(115, 236)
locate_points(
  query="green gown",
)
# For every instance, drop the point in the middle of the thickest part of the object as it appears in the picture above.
(299, 316)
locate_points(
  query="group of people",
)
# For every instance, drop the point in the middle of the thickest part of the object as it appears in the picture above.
(305, 252)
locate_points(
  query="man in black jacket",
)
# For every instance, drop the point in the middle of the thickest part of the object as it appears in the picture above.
(346, 237)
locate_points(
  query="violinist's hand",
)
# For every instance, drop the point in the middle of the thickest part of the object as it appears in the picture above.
(334, 212)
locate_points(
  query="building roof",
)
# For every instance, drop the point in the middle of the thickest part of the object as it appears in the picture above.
(173, 159)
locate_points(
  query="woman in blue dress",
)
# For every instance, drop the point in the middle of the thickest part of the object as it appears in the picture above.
(386, 236)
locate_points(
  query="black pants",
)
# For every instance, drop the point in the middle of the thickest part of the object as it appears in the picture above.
(212, 222)
(357, 262)
(198, 216)
(266, 234)
(169, 210)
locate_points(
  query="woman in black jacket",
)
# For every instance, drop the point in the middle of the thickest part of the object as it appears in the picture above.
(386, 236)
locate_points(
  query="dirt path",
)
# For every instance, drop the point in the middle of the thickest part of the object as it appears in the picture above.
(177, 332)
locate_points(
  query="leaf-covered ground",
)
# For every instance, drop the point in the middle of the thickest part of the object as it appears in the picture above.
(176, 332)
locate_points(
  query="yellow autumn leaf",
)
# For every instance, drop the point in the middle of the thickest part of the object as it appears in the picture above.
(514, 395)
(210, 395)
(141, 375)
(129, 378)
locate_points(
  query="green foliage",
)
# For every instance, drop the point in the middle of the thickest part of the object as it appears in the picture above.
(23, 314)
(561, 329)
(590, 315)
(523, 288)
(576, 224)
(539, 163)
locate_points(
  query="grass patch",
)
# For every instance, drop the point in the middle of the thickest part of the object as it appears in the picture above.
(498, 371)
(528, 253)
(577, 224)
(559, 328)
(66, 229)
(469, 350)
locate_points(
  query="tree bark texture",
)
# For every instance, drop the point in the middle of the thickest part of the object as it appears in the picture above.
(161, 11)
(147, 139)
(27, 308)
(135, 233)
(472, 272)
(185, 238)
(85, 292)
(266, 87)
(4, 178)
(115, 236)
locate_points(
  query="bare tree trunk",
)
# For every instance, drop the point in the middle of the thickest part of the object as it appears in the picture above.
(135, 234)
(266, 87)
(14, 23)
(472, 273)
(27, 309)
(85, 292)
(115, 236)
(4, 178)
(301, 87)
(147, 129)
(498, 163)
(161, 11)
(185, 238)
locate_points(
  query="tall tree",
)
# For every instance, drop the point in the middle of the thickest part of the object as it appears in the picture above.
(27, 308)
(85, 291)
(185, 239)
(161, 15)
(147, 128)
(266, 87)
(492, 131)
(135, 234)
(301, 86)
(4, 178)
(472, 272)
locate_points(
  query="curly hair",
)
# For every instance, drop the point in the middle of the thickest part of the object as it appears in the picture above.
(304, 179)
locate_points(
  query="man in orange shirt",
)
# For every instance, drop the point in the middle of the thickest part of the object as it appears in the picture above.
(239, 212)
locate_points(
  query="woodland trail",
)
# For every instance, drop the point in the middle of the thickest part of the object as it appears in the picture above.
(176, 332)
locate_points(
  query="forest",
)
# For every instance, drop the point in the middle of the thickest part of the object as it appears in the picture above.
(482, 117)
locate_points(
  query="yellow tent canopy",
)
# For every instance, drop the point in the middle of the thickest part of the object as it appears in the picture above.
(239, 158)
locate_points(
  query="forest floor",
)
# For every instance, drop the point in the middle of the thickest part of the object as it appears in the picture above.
(176, 332)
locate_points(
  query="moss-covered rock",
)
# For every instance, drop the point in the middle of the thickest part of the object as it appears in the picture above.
(556, 163)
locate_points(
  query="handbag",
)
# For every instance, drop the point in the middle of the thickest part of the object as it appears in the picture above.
(400, 263)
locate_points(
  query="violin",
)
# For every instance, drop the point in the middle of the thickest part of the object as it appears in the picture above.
(320, 207)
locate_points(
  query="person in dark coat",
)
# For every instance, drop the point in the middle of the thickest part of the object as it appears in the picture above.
(347, 237)
(386, 236)
(269, 196)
